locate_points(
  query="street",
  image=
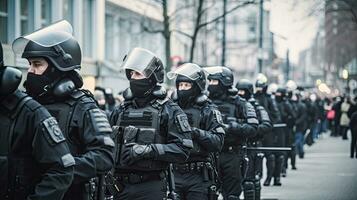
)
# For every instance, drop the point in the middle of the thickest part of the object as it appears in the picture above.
(327, 172)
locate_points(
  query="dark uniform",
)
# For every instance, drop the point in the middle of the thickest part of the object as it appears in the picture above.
(241, 124)
(84, 125)
(195, 178)
(251, 185)
(270, 138)
(288, 118)
(153, 130)
(35, 161)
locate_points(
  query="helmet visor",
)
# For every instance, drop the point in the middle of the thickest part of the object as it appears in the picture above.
(140, 60)
(188, 70)
(214, 70)
(46, 37)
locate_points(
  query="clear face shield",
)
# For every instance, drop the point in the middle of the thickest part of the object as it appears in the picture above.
(140, 60)
(189, 70)
(46, 37)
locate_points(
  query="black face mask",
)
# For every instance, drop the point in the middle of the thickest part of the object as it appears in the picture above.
(141, 87)
(216, 91)
(36, 84)
(279, 98)
(186, 97)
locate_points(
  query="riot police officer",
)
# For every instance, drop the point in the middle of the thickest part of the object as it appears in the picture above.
(265, 100)
(54, 57)
(153, 130)
(288, 118)
(35, 161)
(241, 123)
(251, 185)
(195, 177)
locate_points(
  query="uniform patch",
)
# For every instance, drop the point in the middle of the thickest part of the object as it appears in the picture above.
(68, 160)
(99, 121)
(187, 143)
(108, 141)
(218, 116)
(183, 123)
(252, 121)
(220, 130)
(53, 130)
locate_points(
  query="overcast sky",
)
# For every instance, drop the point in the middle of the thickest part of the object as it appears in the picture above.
(289, 18)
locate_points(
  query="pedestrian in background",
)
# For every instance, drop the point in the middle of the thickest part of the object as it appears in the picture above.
(345, 120)
(352, 113)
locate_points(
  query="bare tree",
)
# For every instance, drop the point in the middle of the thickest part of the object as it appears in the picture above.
(201, 9)
(200, 22)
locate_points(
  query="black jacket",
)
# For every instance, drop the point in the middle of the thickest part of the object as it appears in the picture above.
(37, 163)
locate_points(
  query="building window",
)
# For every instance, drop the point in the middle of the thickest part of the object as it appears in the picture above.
(3, 21)
(87, 28)
(68, 10)
(24, 17)
(109, 37)
(45, 12)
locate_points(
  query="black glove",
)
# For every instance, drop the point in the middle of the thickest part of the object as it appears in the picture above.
(196, 132)
(232, 125)
(134, 152)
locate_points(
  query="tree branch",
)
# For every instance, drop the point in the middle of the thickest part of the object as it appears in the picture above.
(224, 14)
(182, 33)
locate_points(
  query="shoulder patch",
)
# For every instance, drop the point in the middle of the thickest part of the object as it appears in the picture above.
(99, 120)
(218, 116)
(68, 160)
(182, 123)
(53, 130)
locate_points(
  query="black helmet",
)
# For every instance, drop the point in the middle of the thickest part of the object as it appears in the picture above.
(221, 73)
(10, 79)
(145, 62)
(190, 72)
(1, 56)
(54, 42)
(245, 85)
(282, 91)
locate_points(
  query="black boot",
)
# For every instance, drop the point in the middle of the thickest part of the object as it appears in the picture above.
(267, 181)
(283, 172)
(277, 181)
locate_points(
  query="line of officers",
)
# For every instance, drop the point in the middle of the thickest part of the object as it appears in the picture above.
(56, 143)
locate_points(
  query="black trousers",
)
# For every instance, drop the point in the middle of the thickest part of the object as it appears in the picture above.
(148, 190)
(191, 185)
(231, 174)
(354, 142)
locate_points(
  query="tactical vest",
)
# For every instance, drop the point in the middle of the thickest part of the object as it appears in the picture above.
(19, 173)
(228, 111)
(64, 113)
(142, 126)
(194, 115)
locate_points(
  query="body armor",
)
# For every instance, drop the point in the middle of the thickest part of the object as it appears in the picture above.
(147, 130)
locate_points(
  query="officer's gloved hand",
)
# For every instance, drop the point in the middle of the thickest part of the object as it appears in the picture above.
(134, 152)
(231, 126)
(196, 132)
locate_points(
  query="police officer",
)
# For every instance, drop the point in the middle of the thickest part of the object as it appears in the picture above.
(35, 161)
(153, 130)
(241, 123)
(251, 185)
(301, 125)
(54, 57)
(195, 177)
(265, 100)
(288, 118)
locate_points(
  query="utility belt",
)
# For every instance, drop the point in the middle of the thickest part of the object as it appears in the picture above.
(137, 178)
(232, 149)
(191, 167)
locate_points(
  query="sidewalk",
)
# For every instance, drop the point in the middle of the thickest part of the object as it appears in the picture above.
(326, 173)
